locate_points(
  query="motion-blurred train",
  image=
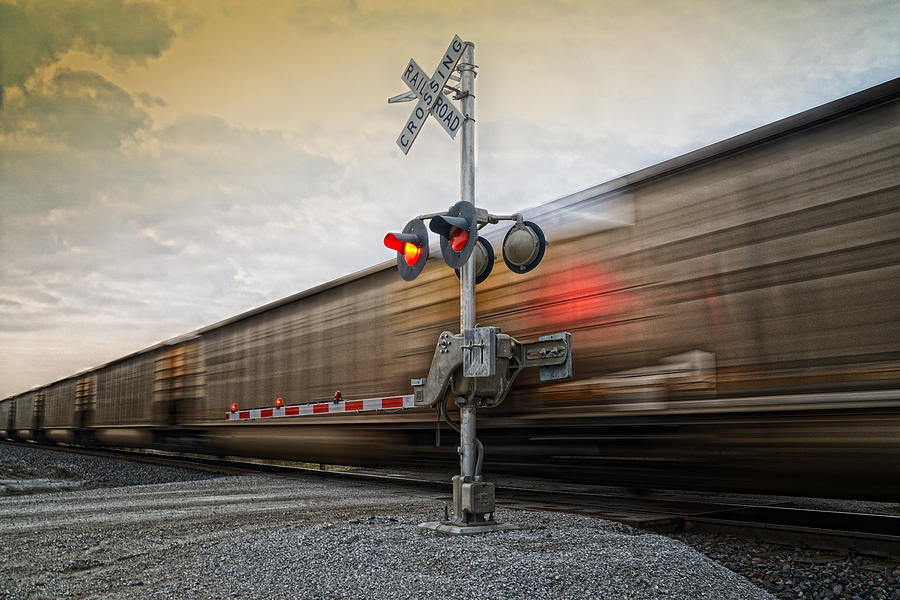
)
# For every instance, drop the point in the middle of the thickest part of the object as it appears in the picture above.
(735, 317)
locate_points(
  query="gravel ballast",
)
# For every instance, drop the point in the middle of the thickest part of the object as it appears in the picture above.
(278, 537)
(791, 572)
(384, 556)
(25, 470)
(139, 530)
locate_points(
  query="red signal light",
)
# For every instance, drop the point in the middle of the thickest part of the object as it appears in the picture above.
(410, 252)
(411, 247)
(458, 238)
(458, 229)
(279, 403)
(234, 407)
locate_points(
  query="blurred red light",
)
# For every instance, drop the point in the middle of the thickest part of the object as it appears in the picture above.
(279, 402)
(458, 238)
(234, 407)
(585, 293)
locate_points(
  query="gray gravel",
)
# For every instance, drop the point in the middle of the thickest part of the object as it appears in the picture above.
(789, 572)
(25, 470)
(278, 537)
(108, 528)
(383, 556)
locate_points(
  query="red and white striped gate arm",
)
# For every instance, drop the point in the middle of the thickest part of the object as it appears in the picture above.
(322, 408)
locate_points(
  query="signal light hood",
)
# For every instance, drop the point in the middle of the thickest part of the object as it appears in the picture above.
(411, 247)
(459, 233)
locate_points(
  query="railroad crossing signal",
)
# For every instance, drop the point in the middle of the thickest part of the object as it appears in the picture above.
(487, 359)
(484, 260)
(430, 92)
(412, 248)
(459, 233)
(523, 247)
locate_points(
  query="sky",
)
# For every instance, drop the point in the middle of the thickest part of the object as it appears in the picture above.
(168, 164)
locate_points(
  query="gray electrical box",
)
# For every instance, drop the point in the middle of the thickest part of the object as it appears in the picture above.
(480, 352)
(477, 497)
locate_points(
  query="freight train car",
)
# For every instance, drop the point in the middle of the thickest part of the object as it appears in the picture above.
(58, 419)
(27, 415)
(7, 412)
(124, 413)
(735, 315)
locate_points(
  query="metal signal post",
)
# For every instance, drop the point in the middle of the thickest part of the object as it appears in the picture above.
(467, 272)
(477, 366)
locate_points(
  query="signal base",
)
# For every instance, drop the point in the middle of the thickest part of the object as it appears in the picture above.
(473, 509)
(451, 528)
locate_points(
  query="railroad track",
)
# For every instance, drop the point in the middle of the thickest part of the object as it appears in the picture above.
(779, 523)
(667, 512)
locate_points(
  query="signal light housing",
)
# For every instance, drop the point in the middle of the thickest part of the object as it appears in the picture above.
(484, 260)
(234, 407)
(412, 248)
(459, 233)
(523, 247)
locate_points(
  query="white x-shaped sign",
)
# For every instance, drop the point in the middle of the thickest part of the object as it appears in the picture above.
(429, 91)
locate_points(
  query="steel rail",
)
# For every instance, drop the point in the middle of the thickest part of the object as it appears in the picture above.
(778, 523)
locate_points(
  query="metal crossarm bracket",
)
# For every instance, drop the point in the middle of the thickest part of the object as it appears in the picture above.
(559, 345)
(447, 358)
(481, 365)
(404, 97)
(542, 353)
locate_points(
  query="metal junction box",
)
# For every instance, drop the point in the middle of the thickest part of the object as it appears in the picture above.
(480, 352)
(477, 497)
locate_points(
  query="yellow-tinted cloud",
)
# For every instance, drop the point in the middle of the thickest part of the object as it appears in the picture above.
(36, 33)
(80, 109)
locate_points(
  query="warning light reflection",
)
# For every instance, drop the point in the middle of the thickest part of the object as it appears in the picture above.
(411, 253)
(458, 238)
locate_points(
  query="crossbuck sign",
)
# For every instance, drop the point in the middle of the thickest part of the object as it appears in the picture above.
(429, 91)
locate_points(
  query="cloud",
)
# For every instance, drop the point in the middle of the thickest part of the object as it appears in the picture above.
(199, 219)
(354, 16)
(76, 108)
(117, 231)
(36, 33)
(517, 177)
(80, 109)
(149, 100)
(188, 225)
